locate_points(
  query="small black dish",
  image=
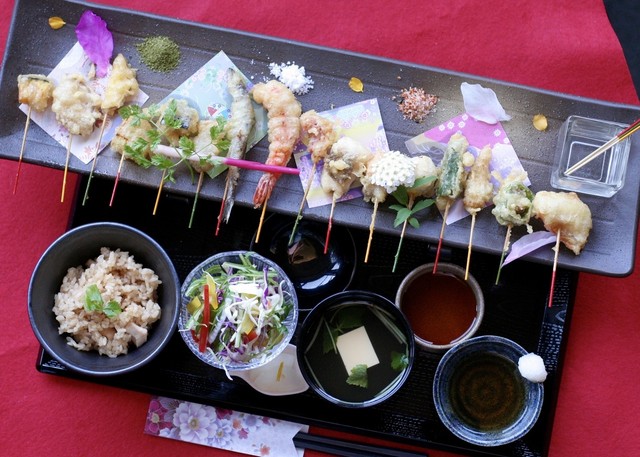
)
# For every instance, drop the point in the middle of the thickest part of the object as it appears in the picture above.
(315, 275)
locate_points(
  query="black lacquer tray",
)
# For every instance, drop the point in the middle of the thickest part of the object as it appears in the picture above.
(516, 308)
(32, 47)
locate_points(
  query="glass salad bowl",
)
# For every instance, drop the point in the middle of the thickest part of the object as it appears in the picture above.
(249, 324)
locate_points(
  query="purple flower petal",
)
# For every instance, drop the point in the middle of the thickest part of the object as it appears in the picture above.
(96, 40)
(528, 244)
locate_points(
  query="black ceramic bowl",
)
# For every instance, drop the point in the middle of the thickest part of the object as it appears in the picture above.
(343, 333)
(73, 249)
(314, 273)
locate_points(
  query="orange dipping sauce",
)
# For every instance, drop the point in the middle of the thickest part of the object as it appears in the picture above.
(440, 307)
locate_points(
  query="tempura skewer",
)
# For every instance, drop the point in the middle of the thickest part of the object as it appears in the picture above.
(426, 175)
(121, 85)
(477, 193)
(319, 134)
(76, 106)
(283, 112)
(385, 172)
(513, 205)
(237, 132)
(451, 182)
(564, 214)
(345, 162)
(36, 91)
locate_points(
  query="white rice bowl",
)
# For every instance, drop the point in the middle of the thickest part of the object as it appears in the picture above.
(118, 277)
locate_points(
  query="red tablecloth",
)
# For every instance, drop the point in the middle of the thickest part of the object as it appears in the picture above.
(562, 46)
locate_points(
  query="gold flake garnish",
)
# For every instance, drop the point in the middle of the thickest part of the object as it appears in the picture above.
(540, 122)
(356, 85)
(56, 22)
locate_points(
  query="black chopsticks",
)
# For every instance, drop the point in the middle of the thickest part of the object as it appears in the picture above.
(346, 448)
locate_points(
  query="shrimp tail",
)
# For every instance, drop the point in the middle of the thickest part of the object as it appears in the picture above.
(264, 188)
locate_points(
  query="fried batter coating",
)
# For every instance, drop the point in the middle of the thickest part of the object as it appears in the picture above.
(76, 105)
(478, 187)
(122, 85)
(564, 212)
(283, 112)
(35, 90)
(346, 162)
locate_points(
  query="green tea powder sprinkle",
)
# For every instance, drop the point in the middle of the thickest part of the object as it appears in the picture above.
(159, 53)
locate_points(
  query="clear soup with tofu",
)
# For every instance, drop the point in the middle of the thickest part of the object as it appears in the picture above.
(356, 352)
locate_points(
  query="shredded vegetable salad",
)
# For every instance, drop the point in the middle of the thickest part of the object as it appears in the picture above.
(237, 311)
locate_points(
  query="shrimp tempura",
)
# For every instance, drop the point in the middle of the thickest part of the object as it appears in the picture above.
(283, 112)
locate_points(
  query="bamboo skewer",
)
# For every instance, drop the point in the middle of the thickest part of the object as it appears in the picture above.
(555, 265)
(195, 198)
(371, 228)
(66, 169)
(444, 224)
(304, 198)
(608, 145)
(329, 225)
(115, 183)
(473, 224)
(264, 210)
(160, 186)
(222, 204)
(24, 139)
(505, 248)
(95, 158)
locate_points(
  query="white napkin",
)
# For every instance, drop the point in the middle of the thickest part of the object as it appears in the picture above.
(482, 104)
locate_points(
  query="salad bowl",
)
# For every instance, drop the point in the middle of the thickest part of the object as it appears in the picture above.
(252, 311)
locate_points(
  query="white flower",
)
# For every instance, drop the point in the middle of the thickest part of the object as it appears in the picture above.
(196, 423)
(392, 170)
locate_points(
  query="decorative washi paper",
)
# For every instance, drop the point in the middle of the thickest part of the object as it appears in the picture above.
(205, 90)
(83, 147)
(479, 134)
(222, 428)
(360, 121)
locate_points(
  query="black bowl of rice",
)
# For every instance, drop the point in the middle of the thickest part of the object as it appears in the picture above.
(104, 299)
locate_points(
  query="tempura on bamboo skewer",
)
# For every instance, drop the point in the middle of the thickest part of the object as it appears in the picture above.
(344, 164)
(237, 130)
(318, 134)
(478, 192)
(121, 86)
(35, 91)
(77, 108)
(423, 187)
(385, 172)
(564, 214)
(451, 182)
(513, 204)
(209, 142)
(283, 113)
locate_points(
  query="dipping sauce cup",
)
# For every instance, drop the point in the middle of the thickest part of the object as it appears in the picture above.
(443, 309)
(480, 395)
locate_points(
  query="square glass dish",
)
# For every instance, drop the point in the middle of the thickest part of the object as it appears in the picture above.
(604, 175)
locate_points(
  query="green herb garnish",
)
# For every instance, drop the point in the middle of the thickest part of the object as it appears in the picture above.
(95, 303)
(407, 209)
(141, 150)
(399, 361)
(345, 319)
(358, 376)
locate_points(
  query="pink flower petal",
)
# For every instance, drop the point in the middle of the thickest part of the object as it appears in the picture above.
(528, 244)
(96, 41)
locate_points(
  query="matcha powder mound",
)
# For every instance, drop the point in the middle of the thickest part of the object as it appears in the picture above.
(159, 53)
